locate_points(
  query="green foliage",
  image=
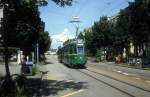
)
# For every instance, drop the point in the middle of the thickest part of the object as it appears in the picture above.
(14, 87)
(25, 28)
(62, 3)
(139, 21)
(121, 39)
(34, 70)
(99, 55)
(102, 31)
(100, 35)
(44, 42)
(116, 33)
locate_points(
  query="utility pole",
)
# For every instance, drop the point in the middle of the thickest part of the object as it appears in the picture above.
(75, 21)
(37, 52)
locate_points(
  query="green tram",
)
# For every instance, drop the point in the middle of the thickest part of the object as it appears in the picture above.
(72, 54)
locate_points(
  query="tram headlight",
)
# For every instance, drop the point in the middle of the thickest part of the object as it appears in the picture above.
(81, 58)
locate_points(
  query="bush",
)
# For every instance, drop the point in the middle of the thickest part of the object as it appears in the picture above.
(99, 55)
(34, 70)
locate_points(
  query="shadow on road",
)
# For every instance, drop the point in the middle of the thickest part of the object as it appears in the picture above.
(76, 67)
(47, 62)
(52, 87)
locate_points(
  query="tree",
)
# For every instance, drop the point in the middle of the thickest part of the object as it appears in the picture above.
(103, 32)
(121, 39)
(27, 27)
(87, 36)
(139, 24)
(16, 22)
(100, 35)
(44, 42)
(62, 3)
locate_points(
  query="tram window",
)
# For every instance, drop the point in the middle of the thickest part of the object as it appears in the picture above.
(80, 50)
(73, 49)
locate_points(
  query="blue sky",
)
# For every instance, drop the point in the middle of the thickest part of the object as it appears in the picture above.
(57, 18)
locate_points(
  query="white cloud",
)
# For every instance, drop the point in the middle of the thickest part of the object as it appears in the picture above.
(65, 35)
(58, 39)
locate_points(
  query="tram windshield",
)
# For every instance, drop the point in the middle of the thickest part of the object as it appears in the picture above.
(80, 50)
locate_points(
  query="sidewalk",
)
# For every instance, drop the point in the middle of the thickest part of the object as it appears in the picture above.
(92, 60)
(129, 66)
(144, 74)
(13, 67)
(58, 82)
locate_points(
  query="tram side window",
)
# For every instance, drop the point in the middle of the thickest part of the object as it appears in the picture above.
(65, 50)
(72, 49)
(80, 50)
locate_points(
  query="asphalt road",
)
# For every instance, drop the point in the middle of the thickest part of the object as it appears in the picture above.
(97, 80)
(131, 71)
(93, 81)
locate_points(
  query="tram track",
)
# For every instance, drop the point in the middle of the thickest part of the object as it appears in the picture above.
(114, 79)
(119, 80)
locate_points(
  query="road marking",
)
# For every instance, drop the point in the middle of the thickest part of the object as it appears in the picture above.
(68, 80)
(125, 73)
(55, 77)
(119, 71)
(137, 78)
(51, 78)
(73, 93)
(148, 81)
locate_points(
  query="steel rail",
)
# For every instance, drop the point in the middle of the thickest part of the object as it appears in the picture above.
(106, 83)
(119, 80)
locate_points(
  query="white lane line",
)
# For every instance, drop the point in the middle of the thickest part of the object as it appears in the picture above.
(125, 73)
(119, 71)
(137, 78)
(68, 81)
(148, 81)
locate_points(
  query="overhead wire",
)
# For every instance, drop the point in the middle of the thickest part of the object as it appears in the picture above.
(73, 11)
(105, 7)
(102, 9)
(117, 6)
(82, 7)
(108, 3)
(111, 10)
(59, 14)
(72, 14)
